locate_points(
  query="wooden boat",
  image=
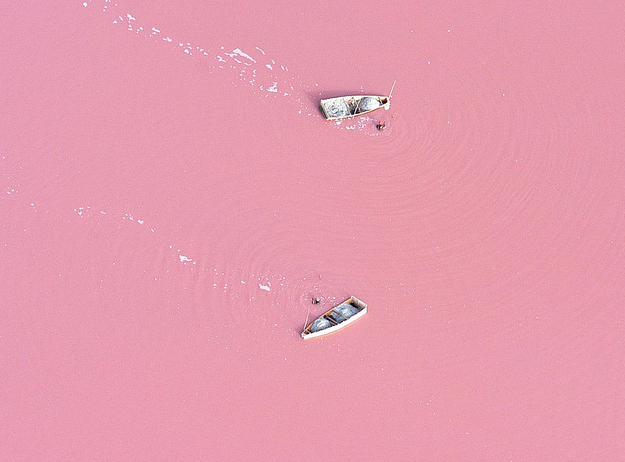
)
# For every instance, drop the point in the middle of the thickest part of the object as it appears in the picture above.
(344, 107)
(336, 318)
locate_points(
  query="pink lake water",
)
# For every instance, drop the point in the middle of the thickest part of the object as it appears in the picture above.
(171, 199)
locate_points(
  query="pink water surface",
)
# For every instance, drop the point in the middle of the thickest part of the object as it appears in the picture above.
(171, 199)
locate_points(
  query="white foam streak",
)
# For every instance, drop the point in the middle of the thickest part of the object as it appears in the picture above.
(267, 73)
(238, 51)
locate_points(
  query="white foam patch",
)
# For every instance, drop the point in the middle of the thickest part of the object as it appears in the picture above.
(185, 259)
(245, 55)
(82, 210)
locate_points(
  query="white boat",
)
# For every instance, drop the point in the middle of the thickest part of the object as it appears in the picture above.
(336, 318)
(344, 107)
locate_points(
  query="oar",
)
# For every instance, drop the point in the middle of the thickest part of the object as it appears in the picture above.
(389, 95)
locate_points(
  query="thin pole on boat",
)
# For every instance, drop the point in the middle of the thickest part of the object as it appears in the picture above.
(306, 322)
(357, 106)
(391, 93)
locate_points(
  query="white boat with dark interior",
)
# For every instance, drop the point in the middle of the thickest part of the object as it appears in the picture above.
(342, 315)
(344, 107)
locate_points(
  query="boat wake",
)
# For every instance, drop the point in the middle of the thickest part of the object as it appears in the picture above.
(251, 68)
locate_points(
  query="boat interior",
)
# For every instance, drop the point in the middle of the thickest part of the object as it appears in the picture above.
(336, 315)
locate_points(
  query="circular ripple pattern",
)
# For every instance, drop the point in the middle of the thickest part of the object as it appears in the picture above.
(479, 184)
(475, 178)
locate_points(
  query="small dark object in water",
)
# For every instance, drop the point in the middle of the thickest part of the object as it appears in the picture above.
(315, 300)
(381, 126)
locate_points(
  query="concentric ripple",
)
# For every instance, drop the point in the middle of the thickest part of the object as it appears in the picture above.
(464, 167)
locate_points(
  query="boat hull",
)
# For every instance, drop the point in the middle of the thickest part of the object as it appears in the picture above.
(345, 107)
(335, 318)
